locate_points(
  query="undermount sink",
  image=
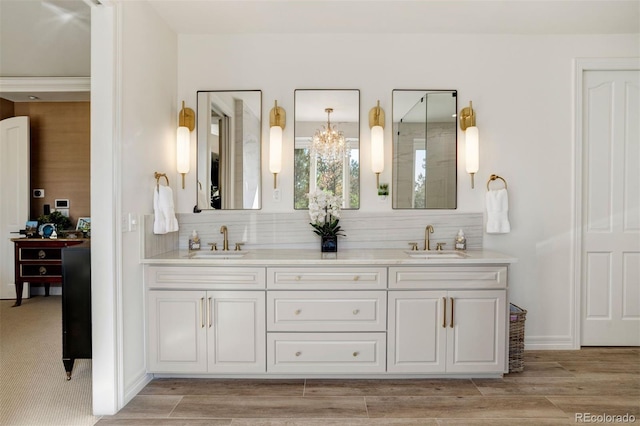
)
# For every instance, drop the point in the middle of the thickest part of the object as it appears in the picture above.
(436, 254)
(217, 254)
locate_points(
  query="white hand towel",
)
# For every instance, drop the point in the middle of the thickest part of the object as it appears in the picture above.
(498, 211)
(164, 212)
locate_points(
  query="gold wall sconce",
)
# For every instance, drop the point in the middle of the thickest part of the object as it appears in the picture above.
(471, 140)
(277, 122)
(186, 124)
(376, 124)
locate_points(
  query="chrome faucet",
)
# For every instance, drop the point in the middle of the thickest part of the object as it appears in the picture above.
(225, 242)
(428, 229)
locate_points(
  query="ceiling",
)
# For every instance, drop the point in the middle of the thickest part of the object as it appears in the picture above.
(401, 16)
(51, 38)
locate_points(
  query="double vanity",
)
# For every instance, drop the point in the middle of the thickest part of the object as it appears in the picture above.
(303, 313)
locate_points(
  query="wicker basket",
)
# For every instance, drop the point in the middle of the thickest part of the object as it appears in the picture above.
(517, 316)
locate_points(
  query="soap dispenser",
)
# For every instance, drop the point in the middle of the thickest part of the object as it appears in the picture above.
(461, 241)
(194, 241)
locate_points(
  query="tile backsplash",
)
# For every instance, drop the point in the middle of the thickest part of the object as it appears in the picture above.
(259, 230)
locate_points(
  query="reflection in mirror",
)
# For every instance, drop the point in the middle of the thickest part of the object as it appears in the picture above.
(424, 149)
(228, 149)
(317, 111)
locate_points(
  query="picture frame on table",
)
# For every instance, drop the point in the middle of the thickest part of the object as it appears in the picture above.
(84, 224)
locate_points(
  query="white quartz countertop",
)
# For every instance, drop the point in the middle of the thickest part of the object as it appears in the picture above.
(308, 257)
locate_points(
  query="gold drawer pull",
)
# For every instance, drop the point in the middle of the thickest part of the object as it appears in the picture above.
(298, 277)
(42, 270)
(298, 353)
(42, 254)
(356, 311)
(297, 311)
(451, 323)
(356, 278)
(444, 313)
(355, 354)
(202, 309)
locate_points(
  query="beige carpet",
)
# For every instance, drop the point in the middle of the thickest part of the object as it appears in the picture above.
(33, 386)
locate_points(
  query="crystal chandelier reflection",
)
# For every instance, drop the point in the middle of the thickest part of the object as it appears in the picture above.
(329, 144)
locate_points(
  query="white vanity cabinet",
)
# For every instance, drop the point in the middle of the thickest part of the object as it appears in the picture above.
(447, 320)
(326, 320)
(363, 319)
(194, 330)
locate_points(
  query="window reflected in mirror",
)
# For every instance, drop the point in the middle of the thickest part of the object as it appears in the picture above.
(327, 145)
(228, 149)
(424, 149)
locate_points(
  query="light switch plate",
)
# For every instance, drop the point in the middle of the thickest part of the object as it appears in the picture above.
(133, 222)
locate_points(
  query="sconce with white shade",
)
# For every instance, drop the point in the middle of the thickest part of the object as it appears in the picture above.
(471, 140)
(186, 124)
(277, 122)
(376, 124)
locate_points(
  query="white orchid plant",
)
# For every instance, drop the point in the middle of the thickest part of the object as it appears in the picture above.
(324, 211)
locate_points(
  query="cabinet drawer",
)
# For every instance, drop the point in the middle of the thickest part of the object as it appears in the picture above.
(40, 270)
(35, 253)
(458, 277)
(326, 310)
(204, 278)
(326, 278)
(319, 353)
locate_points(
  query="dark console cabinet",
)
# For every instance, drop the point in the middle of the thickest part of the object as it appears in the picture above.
(38, 261)
(76, 305)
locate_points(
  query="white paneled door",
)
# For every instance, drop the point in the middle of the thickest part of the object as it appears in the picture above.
(610, 255)
(14, 196)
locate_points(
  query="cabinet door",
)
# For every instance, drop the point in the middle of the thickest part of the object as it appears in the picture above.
(237, 331)
(416, 335)
(177, 332)
(477, 330)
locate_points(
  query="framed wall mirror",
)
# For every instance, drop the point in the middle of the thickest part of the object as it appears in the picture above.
(228, 149)
(327, 145)
(424, 149)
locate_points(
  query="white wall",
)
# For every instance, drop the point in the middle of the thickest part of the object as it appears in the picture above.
(134, 117)
(149, 122)
(522, 90)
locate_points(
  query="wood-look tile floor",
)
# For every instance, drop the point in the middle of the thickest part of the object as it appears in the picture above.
(553, 389)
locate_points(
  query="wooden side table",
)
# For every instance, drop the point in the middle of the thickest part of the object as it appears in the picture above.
(39, 260)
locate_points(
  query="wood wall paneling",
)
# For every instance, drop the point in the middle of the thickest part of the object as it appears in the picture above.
(60, 154)
(6, 109)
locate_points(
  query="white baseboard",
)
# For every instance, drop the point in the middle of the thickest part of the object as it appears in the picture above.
(38, 290)
(549, 343)
(135, 386)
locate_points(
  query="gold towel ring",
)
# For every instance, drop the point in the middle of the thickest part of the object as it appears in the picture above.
(158, 176)
(494, 177)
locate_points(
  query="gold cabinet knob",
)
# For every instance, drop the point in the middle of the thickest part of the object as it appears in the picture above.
(297, 311)
(42, 270)
(356, 278)
(355, 354)
(42, 254)
(356, 311)
(298, 353)
(298, 277)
